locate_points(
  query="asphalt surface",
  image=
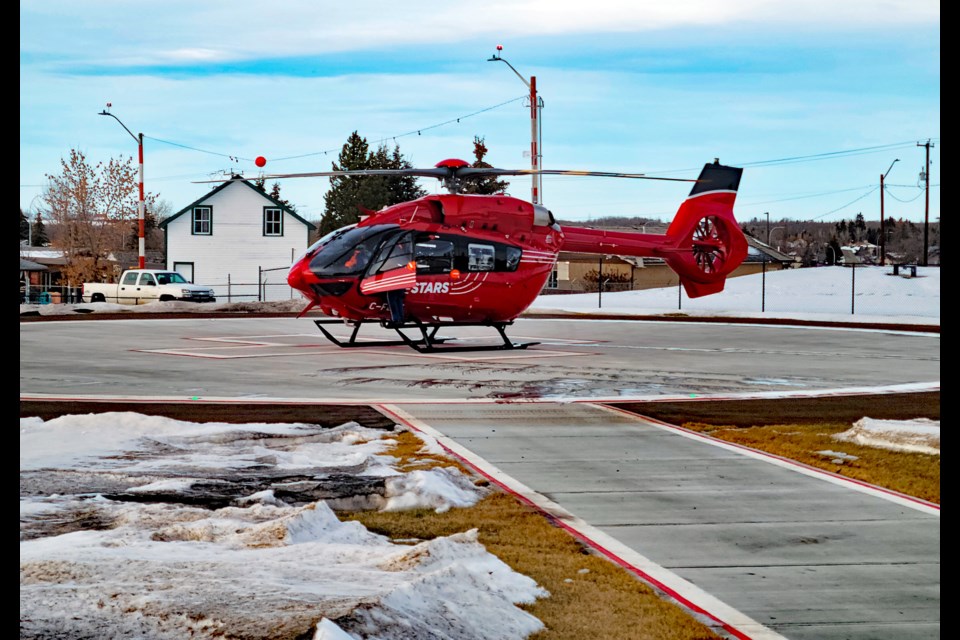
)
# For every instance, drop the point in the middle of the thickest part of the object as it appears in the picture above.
(282, 357)
(805, 557)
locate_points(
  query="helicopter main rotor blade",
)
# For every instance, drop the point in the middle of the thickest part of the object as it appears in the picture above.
(439, 173)
(470, 172)
(451, 173)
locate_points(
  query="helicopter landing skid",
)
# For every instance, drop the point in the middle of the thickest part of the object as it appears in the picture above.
(429, 342)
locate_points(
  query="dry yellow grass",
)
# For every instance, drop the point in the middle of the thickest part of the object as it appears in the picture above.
(797, 428)
(914, 474)
(604, 601)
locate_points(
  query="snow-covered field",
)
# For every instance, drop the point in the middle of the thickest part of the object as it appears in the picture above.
(822, 293)
(143, 526)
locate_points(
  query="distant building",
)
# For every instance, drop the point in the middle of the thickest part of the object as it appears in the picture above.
(238, 240)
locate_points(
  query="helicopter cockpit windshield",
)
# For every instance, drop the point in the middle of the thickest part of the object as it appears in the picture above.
(349, 254)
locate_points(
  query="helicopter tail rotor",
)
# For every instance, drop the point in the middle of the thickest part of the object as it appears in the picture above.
(705, 241)
(703, 244)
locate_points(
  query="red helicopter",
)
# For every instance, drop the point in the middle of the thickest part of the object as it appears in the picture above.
(451, 260)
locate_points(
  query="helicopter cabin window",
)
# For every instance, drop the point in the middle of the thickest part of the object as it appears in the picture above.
(433, 256)
(272, 221)
(202, 221)
(511, 258)
(396, 252)
(349, 253)
(481, 257)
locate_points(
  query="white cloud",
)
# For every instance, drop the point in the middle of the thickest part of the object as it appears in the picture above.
(189, 31)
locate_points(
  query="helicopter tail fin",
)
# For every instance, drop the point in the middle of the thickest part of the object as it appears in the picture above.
(704, 242)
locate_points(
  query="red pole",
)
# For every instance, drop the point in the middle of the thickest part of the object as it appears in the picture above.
(141, 211)
(534, 150)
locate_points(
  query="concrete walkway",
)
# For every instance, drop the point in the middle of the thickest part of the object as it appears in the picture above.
(804, 557)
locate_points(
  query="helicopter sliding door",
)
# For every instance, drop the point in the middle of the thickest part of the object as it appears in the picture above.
(393, 268)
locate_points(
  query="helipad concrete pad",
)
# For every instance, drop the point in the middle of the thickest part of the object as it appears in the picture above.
(805, 557)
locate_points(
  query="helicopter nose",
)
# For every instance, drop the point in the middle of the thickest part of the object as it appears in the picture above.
(296, 277)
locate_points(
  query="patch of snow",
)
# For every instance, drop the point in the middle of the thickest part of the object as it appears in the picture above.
(440, 489)
(829, 453)
(328, 630)
(821, 293)
(261, 569)
(430, 444)
(170, 485)
(919, 435)
(837, 457)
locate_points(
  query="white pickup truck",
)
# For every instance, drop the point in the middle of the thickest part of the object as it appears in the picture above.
(140, 286)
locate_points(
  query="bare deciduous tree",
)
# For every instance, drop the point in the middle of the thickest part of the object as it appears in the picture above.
(91, 205)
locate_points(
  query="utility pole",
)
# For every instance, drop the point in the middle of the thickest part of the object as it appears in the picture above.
(883, 239)
(763, 278)
(926, 205)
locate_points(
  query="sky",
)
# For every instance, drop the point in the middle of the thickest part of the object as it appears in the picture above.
(658, 88)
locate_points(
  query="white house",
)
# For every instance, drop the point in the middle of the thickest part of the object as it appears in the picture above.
(238, 240)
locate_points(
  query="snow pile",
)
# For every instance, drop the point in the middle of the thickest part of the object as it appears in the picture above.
(439, 489)
(822, 293)
(114, 544)
(920, 435)
(126, 441)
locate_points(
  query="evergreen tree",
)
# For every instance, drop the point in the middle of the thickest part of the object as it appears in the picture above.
(348, 195)
(275, 194)
(150, 226)
(402, 188)
(860, 224)
(39, 232)
(484, 186)
(24, 227)
(261, 184)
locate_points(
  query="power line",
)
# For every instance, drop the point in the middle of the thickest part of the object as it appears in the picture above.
(857, 199)
(408, 133)
(920, 193)
(802, 197)
(419, 131)
(827, 155)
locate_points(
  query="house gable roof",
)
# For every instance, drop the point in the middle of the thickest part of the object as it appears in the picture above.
(223, 186)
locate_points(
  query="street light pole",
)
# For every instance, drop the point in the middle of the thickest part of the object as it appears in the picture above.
(141, 207)
(883, 235)
(763, 278)
(536, 189)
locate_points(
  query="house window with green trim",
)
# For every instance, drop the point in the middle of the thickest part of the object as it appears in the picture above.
(552, 281)
(202, 221)
(272, 221)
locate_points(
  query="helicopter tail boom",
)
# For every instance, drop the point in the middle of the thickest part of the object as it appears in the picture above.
(703, 244)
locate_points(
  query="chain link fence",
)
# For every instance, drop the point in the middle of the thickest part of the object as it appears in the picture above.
(851, 289)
